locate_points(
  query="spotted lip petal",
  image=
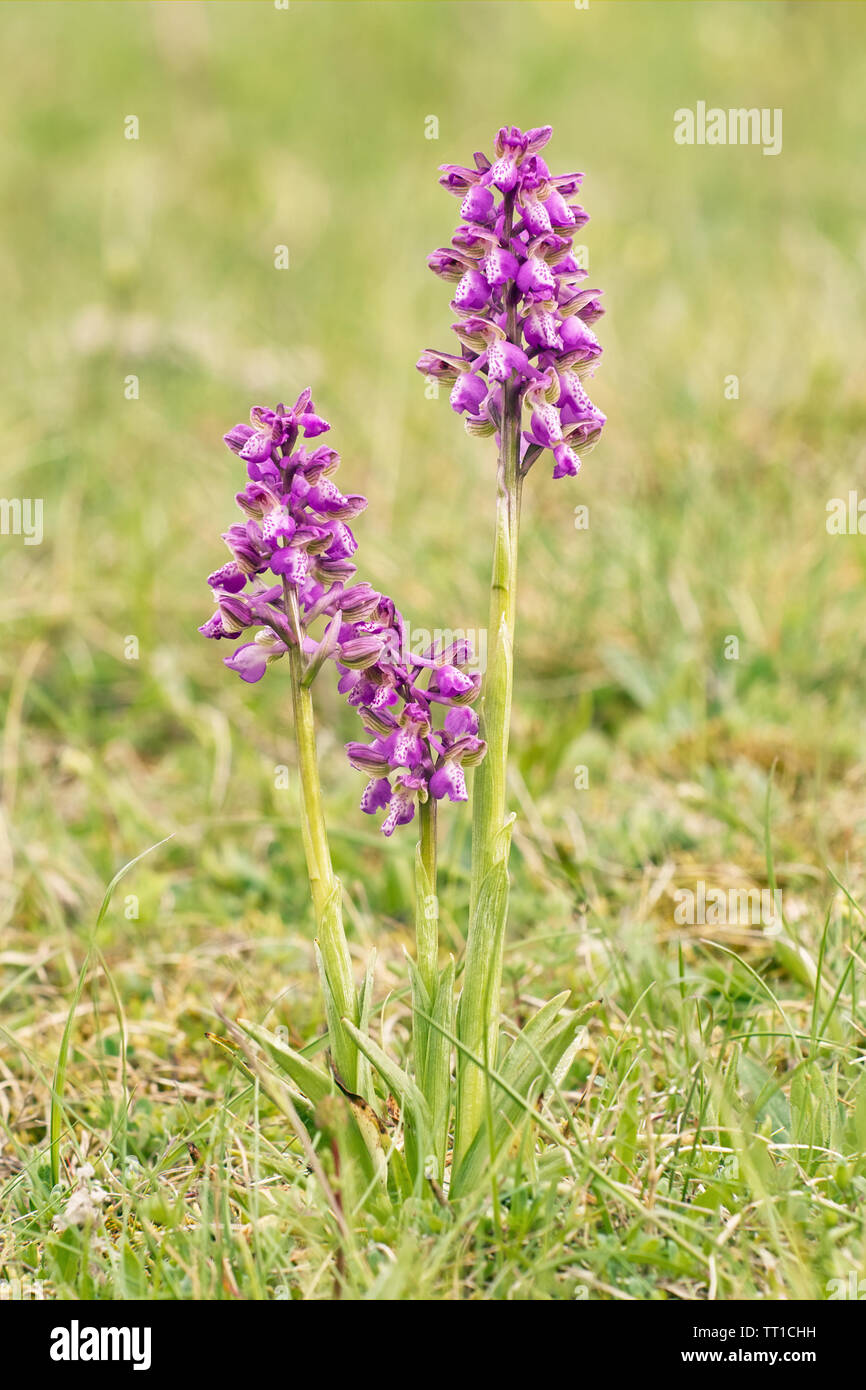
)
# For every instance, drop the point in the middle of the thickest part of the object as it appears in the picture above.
(229, 576)
(449, 780)
(401, 812)
(472, 291)
(478, 205)
(376, 795)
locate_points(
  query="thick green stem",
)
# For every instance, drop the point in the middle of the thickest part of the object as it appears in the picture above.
(327, 902)
(478, 1020)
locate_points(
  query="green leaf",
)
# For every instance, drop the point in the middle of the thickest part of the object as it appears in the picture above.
(534, 1058)
(533, 1032)
(257, 1071)
(372, 1132)
(402, 1085)
(482, 953)
(421, 1006)
(314, 1084)
(365, 1003)
(400, 1186)
(766, 1097)
(356, 1172)
(478, 1010)
(436, 1080)
(337, 986)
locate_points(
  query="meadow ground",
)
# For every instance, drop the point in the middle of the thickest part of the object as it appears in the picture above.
(718, 1104)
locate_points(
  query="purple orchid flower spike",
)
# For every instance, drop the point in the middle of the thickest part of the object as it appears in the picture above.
(521, 313)
(295, 538)
(410, 759)
(295, 548)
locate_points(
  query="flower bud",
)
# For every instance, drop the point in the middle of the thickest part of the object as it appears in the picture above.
(367, 758)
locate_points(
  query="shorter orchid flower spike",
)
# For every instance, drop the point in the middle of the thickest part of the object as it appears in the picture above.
(292, 555)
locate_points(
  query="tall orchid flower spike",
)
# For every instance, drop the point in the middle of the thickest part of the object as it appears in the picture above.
(526, 347)
(523, 312)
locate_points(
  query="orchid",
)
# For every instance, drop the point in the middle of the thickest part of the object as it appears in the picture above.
(290, 574)
(289, 591)
(526, 348)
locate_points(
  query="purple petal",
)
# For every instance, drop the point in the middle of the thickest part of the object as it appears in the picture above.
(401, 811)
(450, 681)
(249, 661)
(291, 561)
(449, 780)
(258, 447)
(467, 393)
(229, 576)
(376, 796)
(472, 291)
(545, 426)
(461, 720)
(237, 438)
(567, 462)
(478, 205)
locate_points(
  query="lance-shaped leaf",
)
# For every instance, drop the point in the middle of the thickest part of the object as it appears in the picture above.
(401, 1084)
(533, 1060)
(337, 985)
(478, 1011)
(365, 1001)
(314, 1084)
(372, 1131)
(426, 924)
(345, 1155)
(287, 1098)
(422, 1006)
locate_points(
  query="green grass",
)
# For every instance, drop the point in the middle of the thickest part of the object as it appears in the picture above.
(713, 1126)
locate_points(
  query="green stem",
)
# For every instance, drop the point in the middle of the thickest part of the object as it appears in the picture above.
(433, 996)
(427, 913)
(478, 1017)
(327, 900)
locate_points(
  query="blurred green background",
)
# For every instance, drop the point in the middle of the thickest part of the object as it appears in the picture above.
(155, 258)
